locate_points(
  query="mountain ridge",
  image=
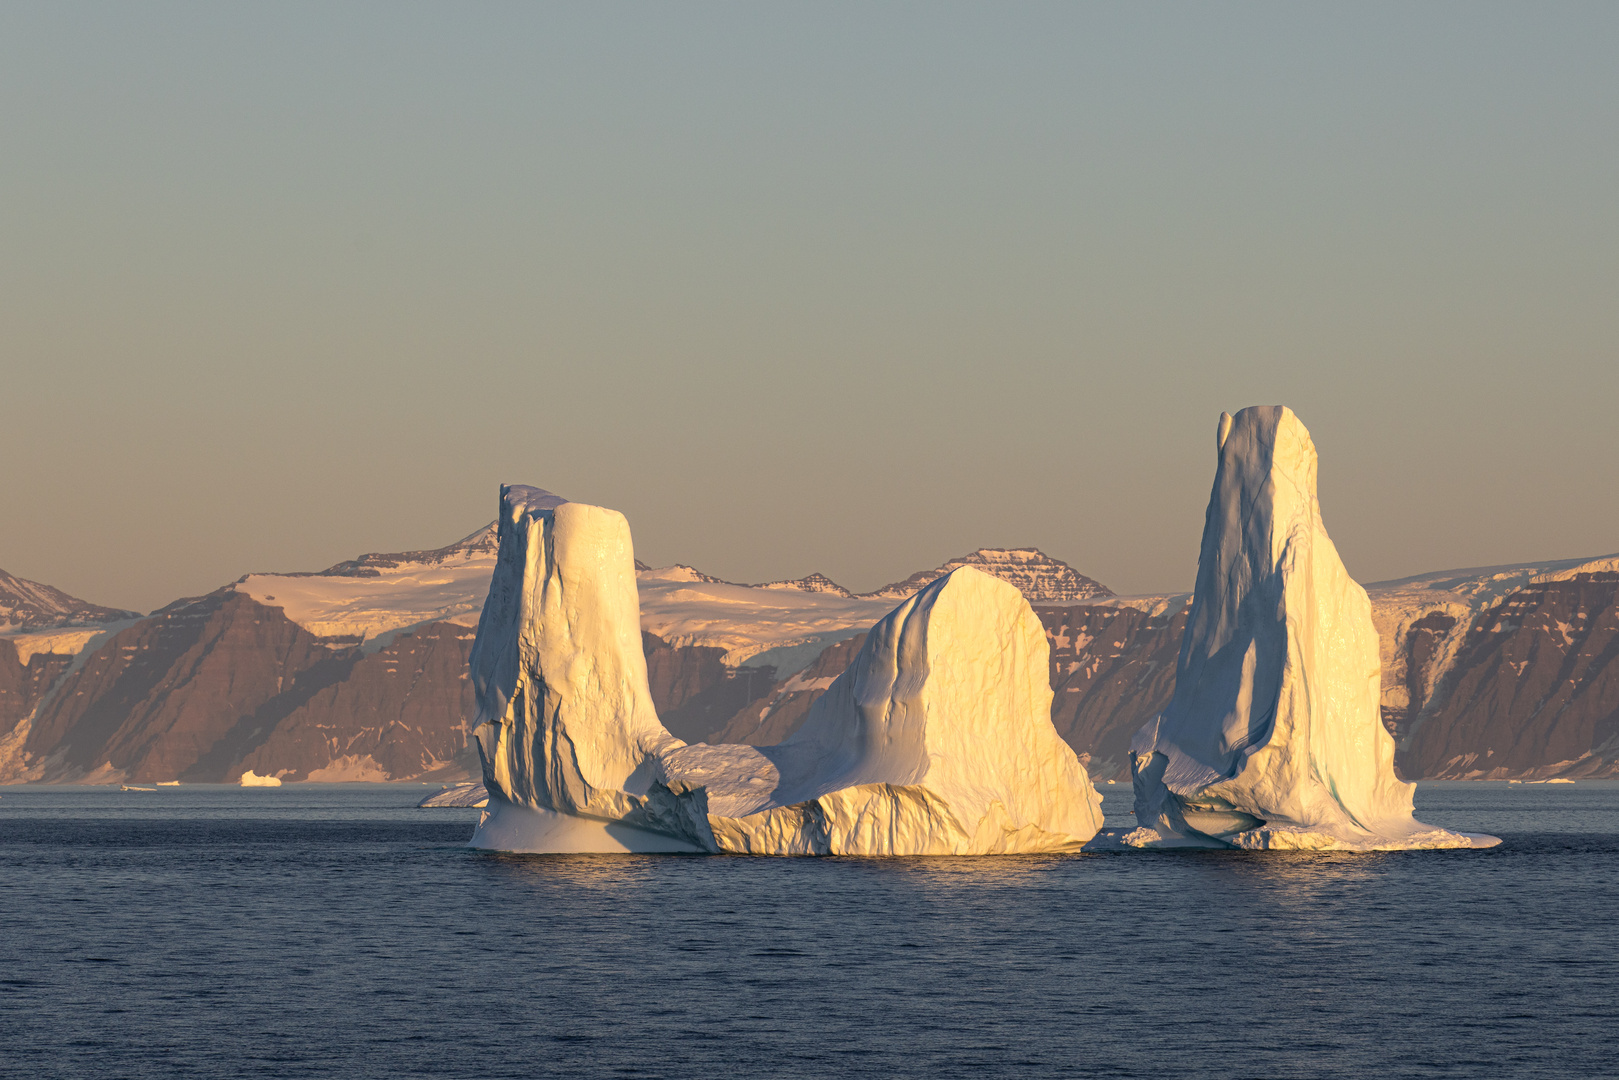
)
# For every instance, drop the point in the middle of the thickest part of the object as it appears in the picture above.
(374, 687)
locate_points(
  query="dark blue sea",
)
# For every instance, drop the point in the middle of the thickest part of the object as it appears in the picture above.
(337, 931)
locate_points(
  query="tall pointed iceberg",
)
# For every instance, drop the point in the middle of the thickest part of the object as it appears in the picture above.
(1274, 738)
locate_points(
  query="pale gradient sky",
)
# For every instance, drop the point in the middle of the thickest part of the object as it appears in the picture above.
(850, 288)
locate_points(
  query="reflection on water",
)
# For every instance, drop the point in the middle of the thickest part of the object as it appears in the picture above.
(342, 933)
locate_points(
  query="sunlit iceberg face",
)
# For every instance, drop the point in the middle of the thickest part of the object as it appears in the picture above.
(1274, 738)
(937, 740)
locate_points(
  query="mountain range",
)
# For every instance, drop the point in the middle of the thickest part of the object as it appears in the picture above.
(359, 672)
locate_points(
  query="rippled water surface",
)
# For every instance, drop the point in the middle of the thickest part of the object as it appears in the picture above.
(337, 931)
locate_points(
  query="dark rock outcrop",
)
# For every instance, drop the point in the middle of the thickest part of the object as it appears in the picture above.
(769, 717)
(814, 583)
(206, 687)
(694, 692)
(404, 711)
(1532, 693)
(157, 698)
(1041, 579)
(1112, 669)
(24, 686)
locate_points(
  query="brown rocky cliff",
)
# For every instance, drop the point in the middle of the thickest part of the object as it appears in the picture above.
(23, 686)
(692, 689)
(776, 711)
(157, 697)
(1112, 670)
(1534, 691)
(405, 711)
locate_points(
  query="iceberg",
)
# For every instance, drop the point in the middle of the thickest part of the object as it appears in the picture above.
(565, 726)
(1274, 738)
(936, 740)
(458, 795)
(253, 779)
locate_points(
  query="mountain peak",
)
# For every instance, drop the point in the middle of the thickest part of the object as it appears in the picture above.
(814, 583)
(1041, 579)
(29, 605)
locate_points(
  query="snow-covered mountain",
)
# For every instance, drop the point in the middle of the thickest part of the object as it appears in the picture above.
(816, 583)
(1041, 579)
(27, 606)
(364, 599)
(358, 670)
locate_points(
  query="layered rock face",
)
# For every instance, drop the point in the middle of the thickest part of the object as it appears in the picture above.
(1037, 575)
(773, 715)
(696, 693)
(937, 740)
(1274, 738)
(1531, 691)
(27, 605)
(1110, 668)
(206, 688)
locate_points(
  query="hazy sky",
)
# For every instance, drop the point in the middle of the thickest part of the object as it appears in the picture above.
(850, 288)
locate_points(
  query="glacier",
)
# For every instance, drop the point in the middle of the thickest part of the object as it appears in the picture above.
(1274, 737)
(936, 740)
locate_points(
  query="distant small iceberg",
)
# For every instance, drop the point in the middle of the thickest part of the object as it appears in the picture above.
(473, 795)
(132, 787)
(253, 779)
(168, 783)
(1554, 780)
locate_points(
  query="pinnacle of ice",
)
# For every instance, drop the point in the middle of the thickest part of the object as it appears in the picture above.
(565, 727)
(1274, 737)
(938, 739)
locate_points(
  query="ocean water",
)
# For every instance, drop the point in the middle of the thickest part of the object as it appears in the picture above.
(337, 931)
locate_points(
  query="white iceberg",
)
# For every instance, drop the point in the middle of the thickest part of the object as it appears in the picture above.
(565, 727)
(937, 740)
(253, 779)
(1274, 738)
(458, 795)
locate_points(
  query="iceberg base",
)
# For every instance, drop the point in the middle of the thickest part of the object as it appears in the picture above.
(1292, 839)
(528, 831)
